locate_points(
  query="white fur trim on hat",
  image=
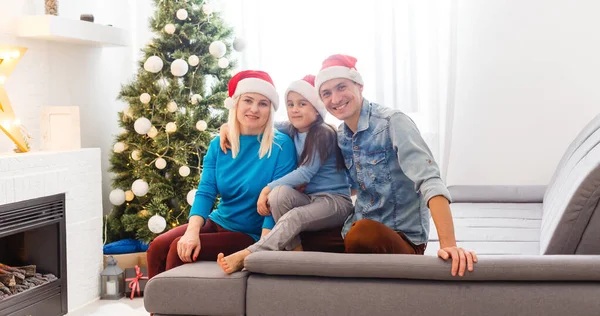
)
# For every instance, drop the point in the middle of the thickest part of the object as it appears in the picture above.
(229, 103)
(309, 93)
(257, 86)
(334, 72)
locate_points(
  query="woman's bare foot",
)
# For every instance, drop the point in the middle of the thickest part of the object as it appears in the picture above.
(233, 262)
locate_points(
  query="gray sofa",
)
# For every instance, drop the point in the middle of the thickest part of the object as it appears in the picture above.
(538, 246)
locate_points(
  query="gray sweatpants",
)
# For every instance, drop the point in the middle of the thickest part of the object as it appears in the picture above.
(295, 212)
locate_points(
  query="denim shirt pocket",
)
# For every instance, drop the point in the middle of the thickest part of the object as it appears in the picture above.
(377, 171)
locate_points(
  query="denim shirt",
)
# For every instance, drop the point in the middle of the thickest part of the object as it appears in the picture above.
(392, 170)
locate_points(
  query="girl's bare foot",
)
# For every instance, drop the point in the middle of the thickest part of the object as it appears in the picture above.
(233, 262)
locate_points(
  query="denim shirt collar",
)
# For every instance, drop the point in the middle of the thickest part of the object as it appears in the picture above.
(363, 120)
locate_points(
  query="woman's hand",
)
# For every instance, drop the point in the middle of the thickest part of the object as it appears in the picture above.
(262, 206)
(224, 134)
(188, 246)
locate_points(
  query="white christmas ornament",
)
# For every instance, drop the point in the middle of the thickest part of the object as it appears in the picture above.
(170, 28)
(119, 147)
(157, 224)
(153, 64)
(117, 197)
(201, 125)
(172, 106)
(191, 196)
(160, 163)
(184, 171)
(128, 111)
(217, 49)
(139, 187)
(129, 195)
(136, 155)
(179, 68)
(152, 132)
(223, 62)
(182, 14)
(239, 44)
(171, 127)
(145, 98)
(193, 60)
(207, 9)
(196, 98)
(142, 125)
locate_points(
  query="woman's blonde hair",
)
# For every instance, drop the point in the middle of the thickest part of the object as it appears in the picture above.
(266, 139)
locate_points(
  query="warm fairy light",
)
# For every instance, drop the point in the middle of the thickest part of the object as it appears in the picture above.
(15, 54)
(6, 124)
(2, 79)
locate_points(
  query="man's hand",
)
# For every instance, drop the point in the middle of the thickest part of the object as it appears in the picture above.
(301, 187)
(224, 141)
(188, 247)
(262, 206)
(461, 259)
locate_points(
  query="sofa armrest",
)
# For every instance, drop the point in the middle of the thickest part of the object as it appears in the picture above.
(489, 268)
(497, 193)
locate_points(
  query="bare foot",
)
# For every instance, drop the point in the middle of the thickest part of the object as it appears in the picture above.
(233, 262)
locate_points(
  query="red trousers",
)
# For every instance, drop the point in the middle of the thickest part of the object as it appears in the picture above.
(162, 253)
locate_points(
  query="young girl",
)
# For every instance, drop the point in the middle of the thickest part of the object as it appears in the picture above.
(259, 155)
(325, 202)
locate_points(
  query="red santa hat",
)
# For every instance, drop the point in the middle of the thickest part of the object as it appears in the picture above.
(306, 88)
(338, 66)
(252, 81)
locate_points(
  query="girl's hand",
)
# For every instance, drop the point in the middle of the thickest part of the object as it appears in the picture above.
(224, 141)
(262, 206)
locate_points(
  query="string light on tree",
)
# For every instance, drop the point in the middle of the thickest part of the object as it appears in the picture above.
(172, 106)
(182, 14)
(191, 196)
(117, 197)
(160, 163)
(153, 64)
(193, 60)
(136, 155)
(170, 28)
(142, 126)
(139, 187)
(217, 49)
(143, 213)
(184, 171)
(179, 68)
(157, 224)
(129, 196)
(223, 62)
(145, 98)
(171, 127)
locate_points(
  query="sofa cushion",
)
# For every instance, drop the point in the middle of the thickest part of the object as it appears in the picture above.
(386, 266)
(573, 196)
(199, 288)
(497, 193)
(494, 228)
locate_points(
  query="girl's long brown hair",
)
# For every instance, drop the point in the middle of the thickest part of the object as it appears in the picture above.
(320, 138)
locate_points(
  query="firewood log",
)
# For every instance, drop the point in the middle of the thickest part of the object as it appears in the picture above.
(4, 289)
(19, 277)
(27, 271)
(8, 279)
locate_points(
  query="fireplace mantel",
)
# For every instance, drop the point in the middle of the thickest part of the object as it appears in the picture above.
(76, 173)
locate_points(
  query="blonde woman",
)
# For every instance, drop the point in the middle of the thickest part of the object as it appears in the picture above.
(258, 156)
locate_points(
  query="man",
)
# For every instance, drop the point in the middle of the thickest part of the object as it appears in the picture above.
(391, 168)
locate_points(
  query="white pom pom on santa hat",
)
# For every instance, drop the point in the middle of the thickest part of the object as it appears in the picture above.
(252, 81)
(306, 88)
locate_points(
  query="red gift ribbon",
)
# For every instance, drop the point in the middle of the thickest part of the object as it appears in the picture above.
(135, 282)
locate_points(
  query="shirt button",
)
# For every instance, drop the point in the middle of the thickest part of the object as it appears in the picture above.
(356, 147)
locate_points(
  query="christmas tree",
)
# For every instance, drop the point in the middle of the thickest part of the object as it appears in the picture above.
(175, 105)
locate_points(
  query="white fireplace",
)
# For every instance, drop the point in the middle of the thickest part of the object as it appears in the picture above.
(78, 175)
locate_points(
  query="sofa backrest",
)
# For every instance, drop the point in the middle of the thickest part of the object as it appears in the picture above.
(571, 219)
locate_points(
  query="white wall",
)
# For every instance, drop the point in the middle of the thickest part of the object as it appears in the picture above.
(59, 74)
(528, 81)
